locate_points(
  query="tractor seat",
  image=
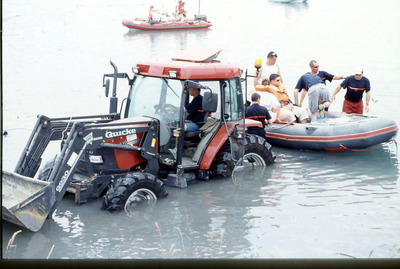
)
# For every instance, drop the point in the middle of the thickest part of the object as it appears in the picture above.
(191, 139)
(192, 135)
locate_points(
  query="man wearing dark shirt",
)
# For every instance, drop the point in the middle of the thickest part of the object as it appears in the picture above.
(195, 111)
(323, 74)
(356, 86)
(318, 94)
(259, 113)
(314, 66)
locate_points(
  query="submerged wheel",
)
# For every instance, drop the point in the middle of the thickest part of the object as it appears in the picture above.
(257, 150)
(131, 190)
(222, 165)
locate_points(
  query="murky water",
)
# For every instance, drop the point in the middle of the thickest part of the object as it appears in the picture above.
(306, 205)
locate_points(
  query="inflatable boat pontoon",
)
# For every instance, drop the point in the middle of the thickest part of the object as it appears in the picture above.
(336, 132)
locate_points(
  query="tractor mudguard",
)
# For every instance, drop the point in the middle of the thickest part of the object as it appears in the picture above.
(219, 140)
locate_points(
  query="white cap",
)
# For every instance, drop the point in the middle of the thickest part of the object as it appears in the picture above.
(358, 70)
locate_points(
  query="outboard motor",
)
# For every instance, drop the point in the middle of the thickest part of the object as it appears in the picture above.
(200, 17)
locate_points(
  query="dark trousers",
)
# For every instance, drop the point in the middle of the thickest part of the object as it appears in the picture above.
(256, 131)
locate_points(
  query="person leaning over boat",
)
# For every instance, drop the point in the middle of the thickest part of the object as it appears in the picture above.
(259, 113)
(276, 87)
(194, 109)
(314, 66)
(318, 94)
(270, 67)
(356, 86)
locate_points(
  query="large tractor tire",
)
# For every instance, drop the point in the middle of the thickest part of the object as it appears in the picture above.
(132, 189)
(222, 165)
(257, 150)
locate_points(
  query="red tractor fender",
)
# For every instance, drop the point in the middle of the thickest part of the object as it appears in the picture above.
(220, 138)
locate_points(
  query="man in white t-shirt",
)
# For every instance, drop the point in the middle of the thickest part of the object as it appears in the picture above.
(270, 67)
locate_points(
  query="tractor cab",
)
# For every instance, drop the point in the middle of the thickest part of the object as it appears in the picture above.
(160, 91)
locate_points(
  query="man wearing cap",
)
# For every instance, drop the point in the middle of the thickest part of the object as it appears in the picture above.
(195, 110)
(270, 67)
(318, 94)
(356, 86)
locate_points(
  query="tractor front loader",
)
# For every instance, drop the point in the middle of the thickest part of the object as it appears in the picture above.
(85, 165)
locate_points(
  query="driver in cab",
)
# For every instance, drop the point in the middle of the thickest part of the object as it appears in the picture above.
(194, 109)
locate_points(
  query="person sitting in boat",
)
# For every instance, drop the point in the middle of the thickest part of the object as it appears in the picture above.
(270, 67)
(314, 66)
(278, 89)
(259, 113)
(356, 86)
(154, 15)
(195, 111)
(271, 102)
(180, 12)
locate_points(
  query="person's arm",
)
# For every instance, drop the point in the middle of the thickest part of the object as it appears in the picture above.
(257, 77)
(303, 95)
(268, 118)
(279, 72)
(338, 88)
(338, 77)
(296, 96)
(367, 99)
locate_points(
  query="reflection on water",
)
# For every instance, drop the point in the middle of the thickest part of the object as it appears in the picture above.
(174, 39)
(259, 212)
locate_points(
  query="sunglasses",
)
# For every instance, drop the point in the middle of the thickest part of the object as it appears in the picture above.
(316, 66)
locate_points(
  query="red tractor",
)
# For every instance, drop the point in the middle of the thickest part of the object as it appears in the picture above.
(131, 155)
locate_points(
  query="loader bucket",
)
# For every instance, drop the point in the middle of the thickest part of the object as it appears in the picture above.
(26, 202)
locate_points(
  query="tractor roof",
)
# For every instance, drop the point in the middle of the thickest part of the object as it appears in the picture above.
(196, 64)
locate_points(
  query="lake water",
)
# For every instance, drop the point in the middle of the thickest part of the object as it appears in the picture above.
(306, 205)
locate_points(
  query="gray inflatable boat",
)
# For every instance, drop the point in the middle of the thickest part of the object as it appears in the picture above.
(335, 132)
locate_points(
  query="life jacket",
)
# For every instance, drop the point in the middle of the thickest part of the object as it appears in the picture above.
(280, 92)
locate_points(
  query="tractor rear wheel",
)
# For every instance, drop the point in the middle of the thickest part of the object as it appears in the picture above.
(257, 150)
(131, 190)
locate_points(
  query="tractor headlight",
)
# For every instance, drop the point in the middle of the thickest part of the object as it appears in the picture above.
(173, 74)
(135, 70)
(96, 159)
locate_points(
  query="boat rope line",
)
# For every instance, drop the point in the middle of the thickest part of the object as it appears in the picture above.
(283, 126)
(370, 149)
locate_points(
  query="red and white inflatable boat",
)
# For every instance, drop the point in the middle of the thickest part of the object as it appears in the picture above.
(144, 25)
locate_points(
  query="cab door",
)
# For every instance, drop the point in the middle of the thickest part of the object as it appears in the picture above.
(233, 116)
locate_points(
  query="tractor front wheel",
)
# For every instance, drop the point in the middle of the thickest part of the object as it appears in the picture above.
(134, 188)
(257, 151)
(223, 164)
